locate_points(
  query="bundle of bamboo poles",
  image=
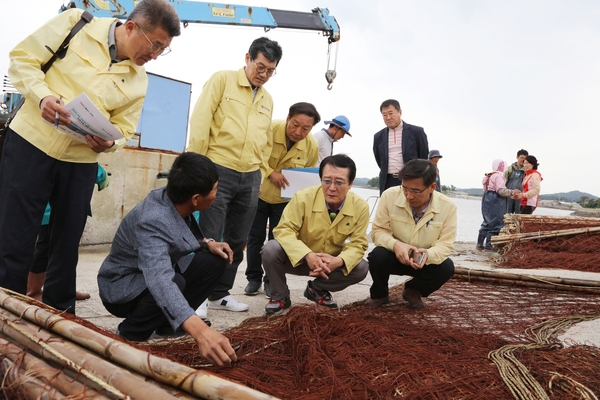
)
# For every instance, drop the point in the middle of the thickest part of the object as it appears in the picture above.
(533, 281)
(514, 225)
(45, 356)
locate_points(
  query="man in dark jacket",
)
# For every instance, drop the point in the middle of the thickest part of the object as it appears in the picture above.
(396, 144)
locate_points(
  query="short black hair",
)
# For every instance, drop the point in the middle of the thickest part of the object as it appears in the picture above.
(306, 109)
(533, 161)
(152, 14)
(522, 152)
(419, 168)
(269, 48)
(390, 102)
(191, 174)
(340, 161)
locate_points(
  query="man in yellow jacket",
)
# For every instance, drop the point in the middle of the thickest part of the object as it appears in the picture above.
(42, 165)
(293, 147)
(231, 125)
(323, 234)
(414, 230)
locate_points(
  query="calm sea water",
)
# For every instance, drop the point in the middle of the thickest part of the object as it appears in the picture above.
(469, 213)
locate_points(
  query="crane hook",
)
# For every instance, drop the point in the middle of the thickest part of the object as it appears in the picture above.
(330, 76)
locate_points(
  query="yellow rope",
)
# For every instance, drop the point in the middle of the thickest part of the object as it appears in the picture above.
(516, 376)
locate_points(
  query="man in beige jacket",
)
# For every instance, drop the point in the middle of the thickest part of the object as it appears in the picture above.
(414, 230)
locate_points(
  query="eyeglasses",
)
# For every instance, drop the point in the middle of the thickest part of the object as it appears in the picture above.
(412, 191)
(328, 182)
(155, 48)
(262, 69)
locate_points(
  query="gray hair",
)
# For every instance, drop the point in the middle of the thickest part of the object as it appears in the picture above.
(152, 14)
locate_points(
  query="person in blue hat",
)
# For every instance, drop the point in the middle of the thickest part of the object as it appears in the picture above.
(338, 128)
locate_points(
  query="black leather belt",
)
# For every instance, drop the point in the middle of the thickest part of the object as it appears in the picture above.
(393, 175)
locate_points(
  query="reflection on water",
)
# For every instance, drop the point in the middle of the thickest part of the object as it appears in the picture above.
(469, 213)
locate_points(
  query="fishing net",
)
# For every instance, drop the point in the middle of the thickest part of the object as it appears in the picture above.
(440, 352)
(579, 251)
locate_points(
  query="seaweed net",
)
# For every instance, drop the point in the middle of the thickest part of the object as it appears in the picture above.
(440, 352)
(578, 252)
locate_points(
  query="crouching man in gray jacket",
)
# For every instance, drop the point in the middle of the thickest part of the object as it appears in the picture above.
(147, 279)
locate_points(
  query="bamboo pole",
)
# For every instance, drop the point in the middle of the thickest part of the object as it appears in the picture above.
(40, 369)
(118, 382)
(23, 384)
(527, 277)
(537, 285)
(196, 382)
(544, 234)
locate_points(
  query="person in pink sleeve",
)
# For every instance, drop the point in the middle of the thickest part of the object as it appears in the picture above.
(493, 204)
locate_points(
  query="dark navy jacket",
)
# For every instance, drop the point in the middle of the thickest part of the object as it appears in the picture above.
(414, 145)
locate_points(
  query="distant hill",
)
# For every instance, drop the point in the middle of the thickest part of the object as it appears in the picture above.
(573, 195)
(472, 192)
(361, 181)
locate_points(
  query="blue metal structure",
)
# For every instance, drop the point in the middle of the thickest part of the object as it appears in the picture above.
(229, 14)
(224, 14)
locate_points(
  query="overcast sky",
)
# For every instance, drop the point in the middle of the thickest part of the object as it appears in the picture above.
(483, 78)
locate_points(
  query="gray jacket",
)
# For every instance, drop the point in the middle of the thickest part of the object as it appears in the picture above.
(147, 246)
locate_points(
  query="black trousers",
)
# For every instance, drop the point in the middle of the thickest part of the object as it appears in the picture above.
(29, 180)
(40, 254)
(383, 263)
(256, 239)
(143, 315)
(390, 181)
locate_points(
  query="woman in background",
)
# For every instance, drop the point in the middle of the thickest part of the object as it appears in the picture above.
(493, 204)
(531, 186)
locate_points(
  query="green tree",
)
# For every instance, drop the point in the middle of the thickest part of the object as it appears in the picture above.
(373, 182)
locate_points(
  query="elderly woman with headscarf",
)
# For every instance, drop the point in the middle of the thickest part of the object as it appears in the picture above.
(493, 204)
(531, 186)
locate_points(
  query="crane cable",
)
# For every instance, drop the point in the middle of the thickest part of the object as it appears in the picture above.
(331, 74)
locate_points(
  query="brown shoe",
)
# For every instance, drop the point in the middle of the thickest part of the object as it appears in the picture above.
(414, 299)
(82, 295)
(377, 302)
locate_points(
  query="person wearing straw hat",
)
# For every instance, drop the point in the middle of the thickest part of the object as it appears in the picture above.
(338, 128)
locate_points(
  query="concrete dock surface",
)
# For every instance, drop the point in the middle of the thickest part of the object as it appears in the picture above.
(464, 255)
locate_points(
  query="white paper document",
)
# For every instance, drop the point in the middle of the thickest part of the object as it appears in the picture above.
(299, 178)
(86, 119)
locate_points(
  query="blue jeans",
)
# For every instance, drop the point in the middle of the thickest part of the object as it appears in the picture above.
(493, 207)
(230, 217)
(258, 233)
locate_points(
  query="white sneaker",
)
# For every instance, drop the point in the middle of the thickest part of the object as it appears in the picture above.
(202, 311)
(228, 303)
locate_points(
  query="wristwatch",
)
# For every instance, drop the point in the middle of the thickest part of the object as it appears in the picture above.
(204, 243)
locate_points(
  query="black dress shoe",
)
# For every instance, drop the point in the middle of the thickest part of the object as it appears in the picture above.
(252, 288)
(414, 299)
